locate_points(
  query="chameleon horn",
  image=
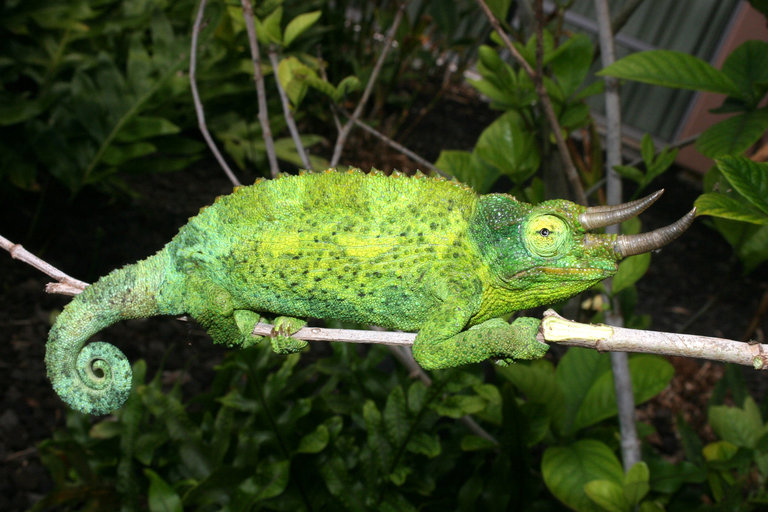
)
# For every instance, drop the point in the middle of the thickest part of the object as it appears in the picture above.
(601, 216)
(629, 245)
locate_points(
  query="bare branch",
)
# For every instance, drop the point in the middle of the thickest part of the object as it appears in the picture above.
(65, 285)
(196, 96)
(556, 329)
(570, 169)
(261, 93)
(344, 132)
(289, 120)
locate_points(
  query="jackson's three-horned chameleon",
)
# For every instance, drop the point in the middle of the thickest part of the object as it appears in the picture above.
(418, 254)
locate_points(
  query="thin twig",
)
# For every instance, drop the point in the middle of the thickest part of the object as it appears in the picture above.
(344, 132)
(65, 285)
(287, 113)
(570, 169)
(396, 145)
(196, 96)
(261, 93)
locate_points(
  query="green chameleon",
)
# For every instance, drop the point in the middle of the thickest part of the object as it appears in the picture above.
(413, 253)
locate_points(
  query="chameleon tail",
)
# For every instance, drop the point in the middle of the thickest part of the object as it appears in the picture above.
(96, 378)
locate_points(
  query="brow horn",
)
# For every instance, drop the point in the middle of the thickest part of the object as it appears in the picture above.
(601, 216)
(629, 245)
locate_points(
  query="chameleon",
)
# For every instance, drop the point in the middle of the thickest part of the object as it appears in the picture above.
(419, 253)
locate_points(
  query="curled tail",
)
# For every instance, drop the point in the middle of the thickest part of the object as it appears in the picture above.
(96, 378)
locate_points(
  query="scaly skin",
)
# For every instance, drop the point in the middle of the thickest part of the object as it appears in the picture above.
(417, 254)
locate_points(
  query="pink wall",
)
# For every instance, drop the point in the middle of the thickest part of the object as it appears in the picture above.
(747, 24)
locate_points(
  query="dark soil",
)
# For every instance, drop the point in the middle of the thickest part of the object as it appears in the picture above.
(693, 285)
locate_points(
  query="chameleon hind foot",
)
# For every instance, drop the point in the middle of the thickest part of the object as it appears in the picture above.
(282, 341)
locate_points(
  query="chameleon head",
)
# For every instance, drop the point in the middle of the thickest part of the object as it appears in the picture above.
(548, 247)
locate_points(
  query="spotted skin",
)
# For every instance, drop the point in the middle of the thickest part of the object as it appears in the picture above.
(412, 253)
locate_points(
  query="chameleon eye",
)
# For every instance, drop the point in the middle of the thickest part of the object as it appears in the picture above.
(545, 235)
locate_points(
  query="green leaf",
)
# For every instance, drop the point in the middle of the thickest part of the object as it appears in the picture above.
(424, 444)
(648, 150)
(499, 8)
(630, 271)
(293, 77)
(162, 497)
(396, 416)
(119, 154)
(568, 469)
(747, 66)
(510, 147)
(315, 441)
(636, 483)
(672, 69)
(572, 63)
(575, 375)
(270, 480)
(632, 173)
(472, 443)
(144, 127)
(741, 427)
(734, 135)
(467, 168)
(608, 495)
(298, 25)
(650, 375)
(719, 451)
(456, 406)
(268, 31)
(749, 178)
(537, 381)
(727, 207)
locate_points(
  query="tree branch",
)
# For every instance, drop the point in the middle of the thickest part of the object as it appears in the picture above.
(344, 132)
(554, 329)
(605, 338)
(261, 93)
(289, 120)
(65, 285)
(196, 97)
(570, 169)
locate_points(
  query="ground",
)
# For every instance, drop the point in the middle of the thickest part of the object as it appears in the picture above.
(694, 285)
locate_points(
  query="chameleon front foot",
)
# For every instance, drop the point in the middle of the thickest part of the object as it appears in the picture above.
(280, 338)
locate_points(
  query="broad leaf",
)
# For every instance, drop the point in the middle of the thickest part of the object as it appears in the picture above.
(298, 25)
(734, 135)
(749, 178)
(510, 147)
(672, 69)
(739, 426)
(567, 469)
(636, 484)
(747, 66)
(608, 495)
(162, 497)
(650, 375)
(630, 270)
(467, 168)
(727, 207)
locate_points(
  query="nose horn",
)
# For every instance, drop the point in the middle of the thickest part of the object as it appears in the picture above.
(629, 245)
(601, 216)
